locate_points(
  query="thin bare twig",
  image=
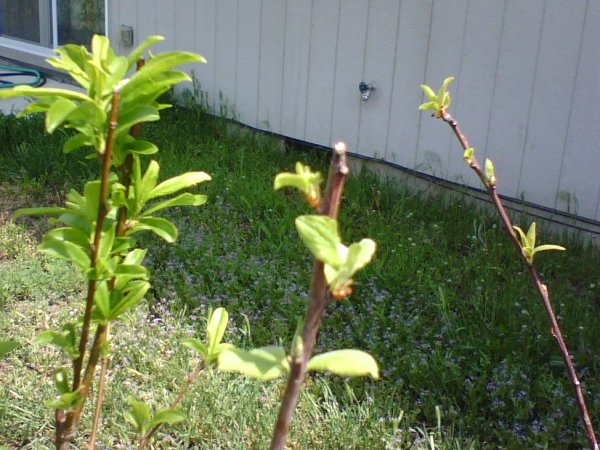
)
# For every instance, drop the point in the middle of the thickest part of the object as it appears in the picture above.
(190, 380)
(100, 398)
(539, 285)
(319, 298)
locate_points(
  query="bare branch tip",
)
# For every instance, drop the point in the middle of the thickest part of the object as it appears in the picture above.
(340, 148)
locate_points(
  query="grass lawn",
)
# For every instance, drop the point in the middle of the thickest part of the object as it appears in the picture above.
(446, 308)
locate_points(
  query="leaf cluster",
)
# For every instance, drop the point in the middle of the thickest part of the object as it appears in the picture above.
(528, 243)
(96, 228)
(440, 101)
(102, 74)
(321, 235)
(305, 180)
(140, 416)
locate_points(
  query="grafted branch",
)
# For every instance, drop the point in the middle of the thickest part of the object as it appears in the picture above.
(319, 298)
(541, 288)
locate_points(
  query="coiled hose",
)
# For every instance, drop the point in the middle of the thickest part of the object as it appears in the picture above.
(11, 76)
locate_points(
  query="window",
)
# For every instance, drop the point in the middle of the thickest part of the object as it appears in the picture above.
(39, 25)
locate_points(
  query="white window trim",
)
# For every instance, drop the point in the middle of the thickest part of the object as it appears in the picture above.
(39, 50)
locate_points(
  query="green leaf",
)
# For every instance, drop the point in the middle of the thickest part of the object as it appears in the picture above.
(91, 193)
(132, 271)
(489, 172)
(186, 199)
(107, 240)
(429, 93)
(118, 68)
(155, 85)
(468, 154)
(443, 94)
(88, 113)
(102, 305)
(197, 345)
(148, 182)
(139, 114)
(156, 66)
(531, 235)
(135, 256)
(159, 226)
(168, 416)
(73, 60)
(121, 304)
(320, 234)
(100, 46)
(177, 183)
(66, 250)
(77, 141)
(138, 53)
(546, 247)
(433, 106)
(215, 330)
(37, 106)
(303, 179)
(345, 363)
(36, 92)
(265, 363)
(524, 241)
(358, 256)
(287, 179)
(42, 211)
(7, 346)
(297, 348)
(74, 235)
(141, 147)
(218, 349)
(66, 340)
(58, 113)
(138, 414)
(66, 401)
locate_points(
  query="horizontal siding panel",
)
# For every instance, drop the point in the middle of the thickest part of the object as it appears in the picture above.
(382, 35)
(579, 182)
(124, 13)
(226, 56)
(551, 101)
(477, 76)
(295, 68)
(527, 92)
(144, 22)
(165, 23)
(443, 60)
(513, 91)
(352, 32)
(321, 71)
(270, 85)
(185, 33)
(409, 73)
(206, 44)
(248, 42)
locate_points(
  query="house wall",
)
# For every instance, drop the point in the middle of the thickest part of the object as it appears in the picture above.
(527, 90)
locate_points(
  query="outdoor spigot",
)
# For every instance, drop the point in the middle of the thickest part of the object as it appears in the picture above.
(365, 90)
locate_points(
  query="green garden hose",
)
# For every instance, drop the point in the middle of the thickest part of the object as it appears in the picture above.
(11, 76)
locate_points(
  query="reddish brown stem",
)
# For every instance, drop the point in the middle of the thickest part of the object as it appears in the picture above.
(319, 298)
(126, 169)
(67, 428)
(539, 285)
